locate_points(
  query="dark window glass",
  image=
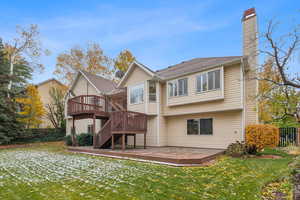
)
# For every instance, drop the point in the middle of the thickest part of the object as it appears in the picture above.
(206, 126)
(192, 127)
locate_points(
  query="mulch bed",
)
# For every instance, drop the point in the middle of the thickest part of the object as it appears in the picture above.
(14, 146)
(269, 157)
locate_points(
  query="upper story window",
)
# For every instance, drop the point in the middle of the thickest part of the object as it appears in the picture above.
(152, 91)
(209, 81)
(136, 94)
(178, 87)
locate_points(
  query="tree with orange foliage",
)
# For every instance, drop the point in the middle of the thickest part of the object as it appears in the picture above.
(32, 109)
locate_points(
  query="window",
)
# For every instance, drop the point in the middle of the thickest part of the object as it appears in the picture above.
(206, 127)
(200, 126)
(152, 91)
(178, 87)
(192, 127)
(137, 94)
(209, 81)
(90, 128)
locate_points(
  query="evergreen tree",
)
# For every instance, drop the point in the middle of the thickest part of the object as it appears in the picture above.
(10, 127)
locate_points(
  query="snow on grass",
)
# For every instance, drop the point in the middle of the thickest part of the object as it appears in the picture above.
(40, 166)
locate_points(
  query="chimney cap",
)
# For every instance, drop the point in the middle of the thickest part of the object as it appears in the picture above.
(249, 13)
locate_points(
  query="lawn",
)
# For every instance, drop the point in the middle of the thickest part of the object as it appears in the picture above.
(48, 172)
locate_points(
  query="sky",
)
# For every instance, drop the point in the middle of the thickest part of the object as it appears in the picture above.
(158, 33)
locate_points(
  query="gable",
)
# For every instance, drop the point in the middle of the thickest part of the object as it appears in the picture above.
(83, 87)
(137, 75)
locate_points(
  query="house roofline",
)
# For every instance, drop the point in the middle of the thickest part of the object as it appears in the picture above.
(143, 67)
(236, 61)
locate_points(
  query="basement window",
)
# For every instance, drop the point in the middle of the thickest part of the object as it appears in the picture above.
(200, 126)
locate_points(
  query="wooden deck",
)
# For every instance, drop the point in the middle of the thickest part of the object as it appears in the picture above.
(175, 156)
(117, 121)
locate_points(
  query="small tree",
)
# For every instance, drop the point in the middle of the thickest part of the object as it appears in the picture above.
(123, 61)
(90, 59)
(277, 104)
(32, 108)
(26, 45)
(55, 110)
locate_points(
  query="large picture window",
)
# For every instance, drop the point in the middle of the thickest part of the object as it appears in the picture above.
(178, 87)
(137, 94)
(209, 81)
(200, 126)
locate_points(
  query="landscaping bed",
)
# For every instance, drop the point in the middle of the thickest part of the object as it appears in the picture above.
(49, 172)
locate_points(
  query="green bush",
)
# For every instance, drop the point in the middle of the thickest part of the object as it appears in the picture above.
(68, 140)
(236, 149)
(85, 139)
(40, 135)
(239, 149)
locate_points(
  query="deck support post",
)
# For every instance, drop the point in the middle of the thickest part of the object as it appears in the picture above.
(94, 131)
(113, 141)
(134, 141)
(123, 142)
(73, 133)
(145, 141)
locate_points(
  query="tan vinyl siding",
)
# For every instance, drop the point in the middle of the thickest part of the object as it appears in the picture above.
(226, 129)
(232, 95)
(151, 135)
(138, 76)
(82, 87)
(82, 125)
(193, 96)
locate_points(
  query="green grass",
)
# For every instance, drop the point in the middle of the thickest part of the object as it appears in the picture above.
(48, 172)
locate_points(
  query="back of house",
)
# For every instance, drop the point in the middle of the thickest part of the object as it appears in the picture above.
(203, 102)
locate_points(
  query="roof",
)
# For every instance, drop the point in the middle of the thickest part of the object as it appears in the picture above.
(195, 65)
(49, 80)
(102, 84)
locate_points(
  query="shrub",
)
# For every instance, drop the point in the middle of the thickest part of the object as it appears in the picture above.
(262, 135)
(68, 140)
(236, 149)
(40, 135)
(85, 139)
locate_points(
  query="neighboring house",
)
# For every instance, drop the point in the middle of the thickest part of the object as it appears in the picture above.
(203, 102)
(44, 89)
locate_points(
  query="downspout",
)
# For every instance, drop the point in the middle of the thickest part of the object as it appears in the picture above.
(243, 97)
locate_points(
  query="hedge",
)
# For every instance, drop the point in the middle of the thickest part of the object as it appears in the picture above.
(262, 135)
(83, 139)
(40, 135)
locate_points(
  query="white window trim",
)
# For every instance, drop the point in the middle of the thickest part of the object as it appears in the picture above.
(198, 120)
(206, 72)
(133, 86)
(177, 80)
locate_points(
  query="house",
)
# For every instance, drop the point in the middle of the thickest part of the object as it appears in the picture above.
(203, 102)
(44, 89)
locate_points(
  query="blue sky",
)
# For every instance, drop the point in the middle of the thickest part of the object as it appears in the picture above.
(159, 33)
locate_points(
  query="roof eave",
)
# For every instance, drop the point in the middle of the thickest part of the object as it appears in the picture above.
(235, 61)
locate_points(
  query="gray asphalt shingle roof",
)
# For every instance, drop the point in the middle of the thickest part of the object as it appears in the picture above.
(101, 83)
(194, 65)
